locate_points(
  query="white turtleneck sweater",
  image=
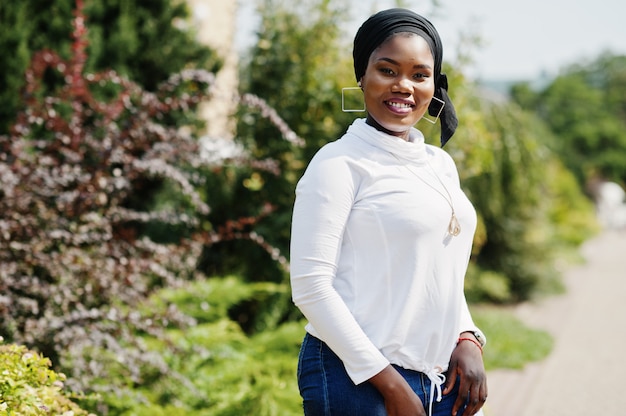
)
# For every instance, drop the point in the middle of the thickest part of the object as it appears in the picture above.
(373, 268)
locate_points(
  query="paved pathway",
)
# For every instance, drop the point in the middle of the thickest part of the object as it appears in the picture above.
(585, 374)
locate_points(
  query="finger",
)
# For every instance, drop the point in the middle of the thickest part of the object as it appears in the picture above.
(461, 398)
(473, 403)
(451, 379)
(484, 392)
(476, 398)
(458, 405)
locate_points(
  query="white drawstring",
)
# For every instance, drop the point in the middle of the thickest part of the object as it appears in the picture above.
(437, 379)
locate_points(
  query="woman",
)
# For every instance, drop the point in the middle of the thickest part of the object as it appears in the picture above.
(381, 239)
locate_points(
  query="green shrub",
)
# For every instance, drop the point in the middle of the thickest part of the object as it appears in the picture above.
(530, 210)
(216, 368)
(101, 205)
(511, 344)
(28, 387)
(225, 372)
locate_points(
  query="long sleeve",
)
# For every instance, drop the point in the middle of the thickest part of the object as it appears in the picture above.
(324, 199)
(466, 322)
(373, 268)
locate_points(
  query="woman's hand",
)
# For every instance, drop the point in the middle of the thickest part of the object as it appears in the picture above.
(400, 399)
(467, 363)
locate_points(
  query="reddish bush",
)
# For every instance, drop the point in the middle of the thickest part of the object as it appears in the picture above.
(78, 173)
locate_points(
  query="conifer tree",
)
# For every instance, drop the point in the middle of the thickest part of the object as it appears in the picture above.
(145, 41)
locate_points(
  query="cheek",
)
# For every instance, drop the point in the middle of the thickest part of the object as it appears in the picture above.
(426, 90)
(371, 85)
(372, 94)
(424, 94)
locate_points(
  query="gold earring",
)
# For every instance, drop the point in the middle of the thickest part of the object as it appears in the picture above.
(433, 121)
(353, 99)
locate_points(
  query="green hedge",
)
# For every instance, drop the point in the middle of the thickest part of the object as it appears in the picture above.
(28, 387)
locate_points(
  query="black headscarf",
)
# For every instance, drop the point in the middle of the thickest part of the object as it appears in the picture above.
(378, 28)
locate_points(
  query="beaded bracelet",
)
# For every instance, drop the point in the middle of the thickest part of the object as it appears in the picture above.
(480, 347)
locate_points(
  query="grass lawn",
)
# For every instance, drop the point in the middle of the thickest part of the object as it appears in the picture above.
(510, 343)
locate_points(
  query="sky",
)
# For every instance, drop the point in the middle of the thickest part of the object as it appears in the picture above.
(521, 39)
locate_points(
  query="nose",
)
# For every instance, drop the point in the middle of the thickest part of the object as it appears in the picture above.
(403, 84)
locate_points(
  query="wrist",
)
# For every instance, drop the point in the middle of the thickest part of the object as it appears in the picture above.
(476, 334)
(388, 381)
(472, 339)
(468, 334)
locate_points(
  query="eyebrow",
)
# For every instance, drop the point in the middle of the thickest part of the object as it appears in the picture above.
(392, 61)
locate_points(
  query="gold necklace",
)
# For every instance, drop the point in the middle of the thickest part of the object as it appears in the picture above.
(454, 227)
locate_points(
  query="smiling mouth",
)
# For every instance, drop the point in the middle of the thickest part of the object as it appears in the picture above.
(398, 105)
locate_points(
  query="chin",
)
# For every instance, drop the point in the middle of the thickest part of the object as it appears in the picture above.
(399, 124)
(393, 126)
(397, 128)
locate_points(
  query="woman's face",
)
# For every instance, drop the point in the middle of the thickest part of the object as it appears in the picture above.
(398, 84)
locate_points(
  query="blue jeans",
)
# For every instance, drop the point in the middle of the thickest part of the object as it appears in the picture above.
(327, 390)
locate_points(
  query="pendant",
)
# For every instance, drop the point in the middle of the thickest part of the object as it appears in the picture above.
(454, 228)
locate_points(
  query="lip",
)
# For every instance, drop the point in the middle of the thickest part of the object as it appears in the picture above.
(399, 106)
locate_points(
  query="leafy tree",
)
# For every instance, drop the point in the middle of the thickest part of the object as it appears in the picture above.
(501, 152)
(518, 188)
(136, 38)
(72, 255)
(78, 247)
(297, 67)
(585, 108)
(86, 244)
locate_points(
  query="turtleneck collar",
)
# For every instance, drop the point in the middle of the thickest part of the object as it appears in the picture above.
(413, 150)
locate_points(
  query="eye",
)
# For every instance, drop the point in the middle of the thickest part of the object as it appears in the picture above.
(420, 75)
(387, 71)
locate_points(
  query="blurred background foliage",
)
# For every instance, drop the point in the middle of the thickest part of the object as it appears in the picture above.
(28, 387)
(585, 109)
(526, 162)
(139, 39)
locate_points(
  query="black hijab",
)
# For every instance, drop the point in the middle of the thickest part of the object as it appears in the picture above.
(378, 28)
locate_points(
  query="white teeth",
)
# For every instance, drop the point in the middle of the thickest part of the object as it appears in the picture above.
(399, 105)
